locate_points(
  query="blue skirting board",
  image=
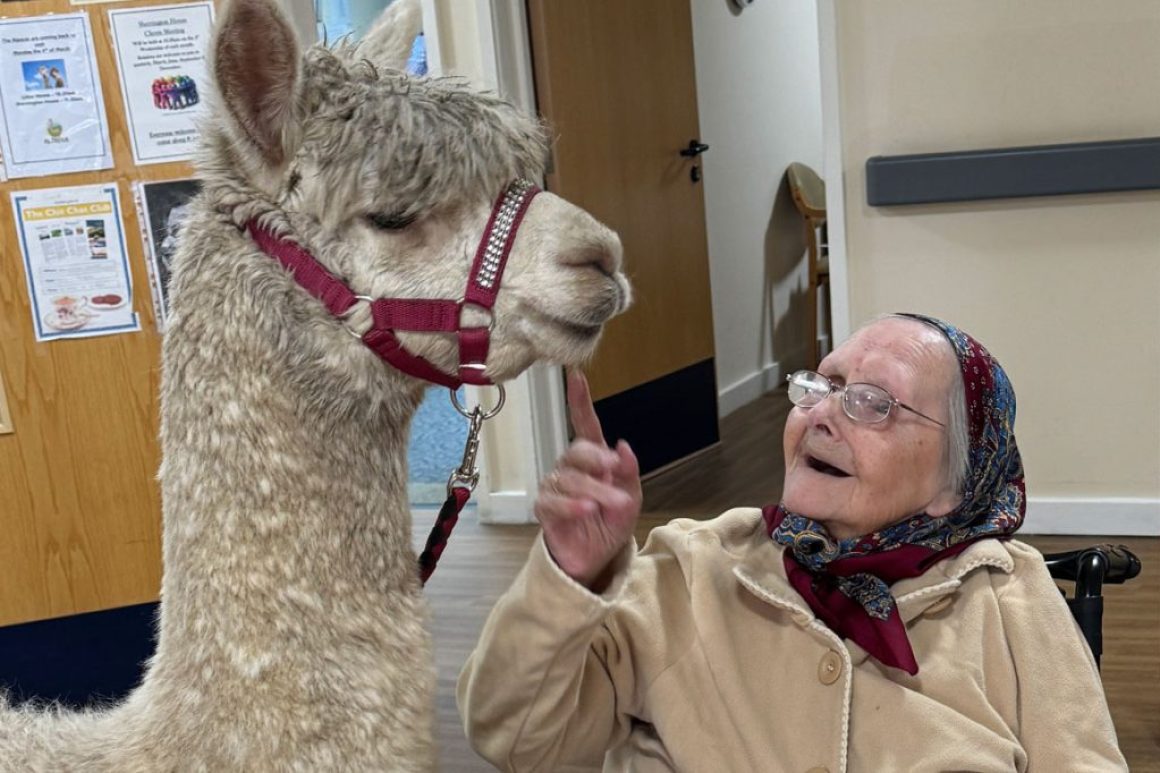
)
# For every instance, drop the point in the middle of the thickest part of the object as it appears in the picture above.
(80, 660)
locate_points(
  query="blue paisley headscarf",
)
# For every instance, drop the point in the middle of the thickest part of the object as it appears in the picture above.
(847, 581)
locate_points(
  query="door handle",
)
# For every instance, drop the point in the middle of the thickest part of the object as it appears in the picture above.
(694, 149)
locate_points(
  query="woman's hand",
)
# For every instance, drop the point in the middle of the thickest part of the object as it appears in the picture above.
(588, 506)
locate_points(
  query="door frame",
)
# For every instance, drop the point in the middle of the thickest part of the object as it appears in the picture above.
(540, 422)
(505, 46)
(834, 169)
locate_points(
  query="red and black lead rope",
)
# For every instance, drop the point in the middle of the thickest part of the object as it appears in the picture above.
(460, 484)
(441, 531)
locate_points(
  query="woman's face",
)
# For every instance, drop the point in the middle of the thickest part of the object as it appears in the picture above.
(884, 472)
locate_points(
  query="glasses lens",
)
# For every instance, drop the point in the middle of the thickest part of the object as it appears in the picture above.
(807, 388)
(867, 403)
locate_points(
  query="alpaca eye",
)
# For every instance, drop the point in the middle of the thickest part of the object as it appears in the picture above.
(394, 221)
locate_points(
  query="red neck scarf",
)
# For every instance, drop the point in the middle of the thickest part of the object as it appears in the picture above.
(886, 638)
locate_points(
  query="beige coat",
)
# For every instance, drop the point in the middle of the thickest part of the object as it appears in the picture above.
(702, 657)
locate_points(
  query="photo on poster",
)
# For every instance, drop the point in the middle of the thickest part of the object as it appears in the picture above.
(75, 262)
(161, 58)
(52, 114)
(44, 74)
(163, 208)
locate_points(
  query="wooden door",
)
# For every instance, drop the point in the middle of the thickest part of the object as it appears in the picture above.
(80, 513)
(616, 81)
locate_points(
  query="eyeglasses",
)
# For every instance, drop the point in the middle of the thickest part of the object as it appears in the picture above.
(864, 403)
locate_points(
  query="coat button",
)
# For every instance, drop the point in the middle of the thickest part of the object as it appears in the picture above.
(939, 605)
(830, 667)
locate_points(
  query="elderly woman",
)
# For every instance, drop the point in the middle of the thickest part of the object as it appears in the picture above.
(879, 619)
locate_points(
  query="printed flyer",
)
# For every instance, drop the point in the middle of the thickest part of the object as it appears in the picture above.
(75, 261)
(163, 208)
(52, 115)
(160, 54)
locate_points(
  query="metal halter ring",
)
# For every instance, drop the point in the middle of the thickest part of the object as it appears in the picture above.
(463, 303)
(346, 315)
(483, 414)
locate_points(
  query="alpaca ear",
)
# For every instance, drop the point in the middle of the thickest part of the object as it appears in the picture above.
(255, 64)
(389, 41)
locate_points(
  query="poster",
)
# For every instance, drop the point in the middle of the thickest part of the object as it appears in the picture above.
(160, 54)
(163, 208)
(75, 262)
(52, 115)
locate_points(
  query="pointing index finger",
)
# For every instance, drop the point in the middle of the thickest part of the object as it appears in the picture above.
(583, 414)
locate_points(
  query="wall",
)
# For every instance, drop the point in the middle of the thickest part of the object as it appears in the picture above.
(1063, 290)
(759, 97)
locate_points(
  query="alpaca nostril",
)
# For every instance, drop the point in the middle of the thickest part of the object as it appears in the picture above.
(597, 256)
(623, 292)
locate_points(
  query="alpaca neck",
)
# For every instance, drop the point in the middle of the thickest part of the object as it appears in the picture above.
(325, 494)
(284, 475)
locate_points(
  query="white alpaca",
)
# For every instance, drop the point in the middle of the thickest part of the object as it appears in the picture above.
(292, 625)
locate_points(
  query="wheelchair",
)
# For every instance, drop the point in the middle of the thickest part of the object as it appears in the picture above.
(1090, 568)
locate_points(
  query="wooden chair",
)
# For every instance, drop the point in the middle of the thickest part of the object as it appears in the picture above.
(809, 196)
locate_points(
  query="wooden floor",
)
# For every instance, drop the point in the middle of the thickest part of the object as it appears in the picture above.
(746, 469)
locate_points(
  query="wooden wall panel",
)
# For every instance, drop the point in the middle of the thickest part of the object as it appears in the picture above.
(80, 523)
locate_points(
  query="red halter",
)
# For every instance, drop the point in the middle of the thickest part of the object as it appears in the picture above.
(420, 315)
(428, 316)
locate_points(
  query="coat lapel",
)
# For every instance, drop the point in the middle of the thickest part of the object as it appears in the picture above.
(916, 595)
(762, 572)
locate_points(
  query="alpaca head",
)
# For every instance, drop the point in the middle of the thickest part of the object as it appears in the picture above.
(389, 181)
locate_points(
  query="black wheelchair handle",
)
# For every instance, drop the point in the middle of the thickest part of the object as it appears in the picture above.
(1123, 564)
(1094, 566)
